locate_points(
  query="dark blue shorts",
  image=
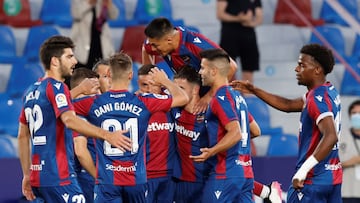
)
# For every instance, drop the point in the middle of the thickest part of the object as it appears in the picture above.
(188, 191)
(315, 193)
(228, 190)
(160, 190)
(120, 194)
(66, 193)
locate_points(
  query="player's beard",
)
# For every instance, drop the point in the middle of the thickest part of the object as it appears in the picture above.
(64, 71)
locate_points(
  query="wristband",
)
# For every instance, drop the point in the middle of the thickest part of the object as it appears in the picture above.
(305, 168)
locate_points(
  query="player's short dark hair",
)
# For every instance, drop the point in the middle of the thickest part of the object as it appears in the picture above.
(321, 54)
(189, 73)
(352, 105)
(80, 74)
(145, 69)
(100, 62)
(54, 47)
(213, 54)
(158, 28)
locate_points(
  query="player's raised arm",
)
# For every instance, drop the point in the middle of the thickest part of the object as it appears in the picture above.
(180, 98)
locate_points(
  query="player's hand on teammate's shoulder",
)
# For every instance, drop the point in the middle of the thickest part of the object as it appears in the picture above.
(202, 105)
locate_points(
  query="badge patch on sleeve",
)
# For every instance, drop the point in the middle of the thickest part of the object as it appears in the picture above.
(160, 96)
(61, 100)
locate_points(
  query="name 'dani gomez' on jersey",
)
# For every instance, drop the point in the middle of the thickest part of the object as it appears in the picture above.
(118, 106)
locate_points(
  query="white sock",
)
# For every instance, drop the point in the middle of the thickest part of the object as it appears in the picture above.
(265, 192)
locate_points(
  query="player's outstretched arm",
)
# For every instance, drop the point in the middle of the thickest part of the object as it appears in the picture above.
(277, 102)
(116, 139)
(180, 98)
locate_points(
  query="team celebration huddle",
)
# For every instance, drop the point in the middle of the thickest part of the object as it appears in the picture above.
(85, 136)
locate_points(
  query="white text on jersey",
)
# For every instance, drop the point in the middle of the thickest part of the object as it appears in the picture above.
(118, 106)
(32, 95)
(188, 133)
(160, 126)
(121, 168)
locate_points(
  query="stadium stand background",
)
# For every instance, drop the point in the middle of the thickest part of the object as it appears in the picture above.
(279, 43)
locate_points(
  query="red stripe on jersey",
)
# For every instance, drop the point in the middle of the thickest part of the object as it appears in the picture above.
(187, 164)
(82, 107)
(124, 173)
(251, 118)
(35, 174)
(159, 142)
(61, 156)
(221, 165)
(337, 172)
(248, 171)
(22, 117)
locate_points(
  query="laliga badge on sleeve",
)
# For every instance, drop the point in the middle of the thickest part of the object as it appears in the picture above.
(61, 100)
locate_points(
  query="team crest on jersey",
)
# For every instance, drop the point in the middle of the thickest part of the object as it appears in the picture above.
(200, 118)
(61, 100)
(186, 59)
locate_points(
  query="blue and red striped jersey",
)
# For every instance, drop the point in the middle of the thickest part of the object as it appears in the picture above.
(191, 136)
(188, 52)
(321, 102)
(122, 110)
(160, 145)
(225, 106)
(52, 156)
